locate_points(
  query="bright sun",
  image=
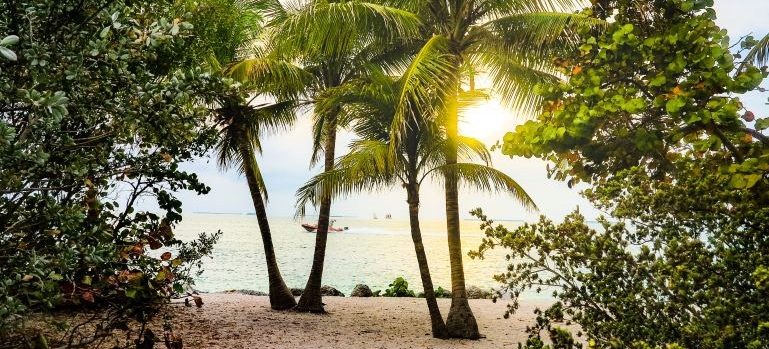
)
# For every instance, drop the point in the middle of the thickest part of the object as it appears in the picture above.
(488, 122)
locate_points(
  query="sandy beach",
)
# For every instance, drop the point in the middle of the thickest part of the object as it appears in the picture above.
(231, 320)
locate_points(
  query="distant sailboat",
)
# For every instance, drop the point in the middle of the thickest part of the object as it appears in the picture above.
(388, 216)
(375, 217)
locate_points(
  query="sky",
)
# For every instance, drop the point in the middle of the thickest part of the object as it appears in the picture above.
(285, 161)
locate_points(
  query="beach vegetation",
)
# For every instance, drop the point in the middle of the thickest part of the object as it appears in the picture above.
(399, 288)
(649, 119)
(98, 109)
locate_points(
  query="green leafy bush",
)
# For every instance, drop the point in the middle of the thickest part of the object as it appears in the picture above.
(399, 288)
(649, 114)
(440, 292)
(658, 84)
(99, 107)
(684, 264)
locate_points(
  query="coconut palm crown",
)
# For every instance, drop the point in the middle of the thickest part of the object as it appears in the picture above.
(420, 155)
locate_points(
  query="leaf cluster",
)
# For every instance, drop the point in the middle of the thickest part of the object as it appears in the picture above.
(98, 111)
(683, 263)
(659, 84)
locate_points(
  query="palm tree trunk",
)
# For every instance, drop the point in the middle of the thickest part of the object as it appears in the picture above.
(460, 321)
(280, 296)
(311, 300)
(439, 327)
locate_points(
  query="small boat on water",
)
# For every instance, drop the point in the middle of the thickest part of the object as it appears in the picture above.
(313, 228)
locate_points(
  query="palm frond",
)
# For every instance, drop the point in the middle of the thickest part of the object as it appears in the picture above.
(759, 54)
(427, 80)
(369, 156)
(366, 168)
(513, 80)
(485, 178)
(469, 148)
(542, 35)
(331, 29)
(280, 78)
(472, 98)
(244, 125)
(273, 117)
(497, 8)
(318, 132)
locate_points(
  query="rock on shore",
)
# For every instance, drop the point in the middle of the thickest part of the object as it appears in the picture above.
(361, 290)
(326, 290)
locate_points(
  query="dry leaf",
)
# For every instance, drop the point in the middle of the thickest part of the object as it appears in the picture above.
(87, 296)
(576, 70)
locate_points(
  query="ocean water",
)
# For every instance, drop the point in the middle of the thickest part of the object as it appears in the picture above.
(371, 252)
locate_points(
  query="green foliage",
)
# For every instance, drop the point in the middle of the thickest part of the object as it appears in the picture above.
(399, 288)
(97, 112)
(371, 165)
(658, 84)
(5, 51)
(758, 51)
(649, 116)
(440, 292)
(685, 263)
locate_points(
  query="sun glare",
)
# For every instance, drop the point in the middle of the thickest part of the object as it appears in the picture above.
(488, 122)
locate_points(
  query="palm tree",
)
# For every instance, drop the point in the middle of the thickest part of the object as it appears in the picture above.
(239, 139)
(231, 27)
(512, 42)
(420, 154)
(335, 43)
(759, 54)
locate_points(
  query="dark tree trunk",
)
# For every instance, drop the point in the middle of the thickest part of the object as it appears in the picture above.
(460, 321)
(311, 300)
(438, 326)
(280, 295)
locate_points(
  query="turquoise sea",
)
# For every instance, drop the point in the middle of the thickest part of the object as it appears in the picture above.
(371, 251)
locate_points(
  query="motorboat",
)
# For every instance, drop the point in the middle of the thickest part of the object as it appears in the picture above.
(313, 228)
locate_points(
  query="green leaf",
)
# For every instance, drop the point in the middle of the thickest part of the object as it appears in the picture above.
(9, 40)
(8, 54)
(674, 105)
(762, 124)
(634, 105)
(657, 81)
(130, 293)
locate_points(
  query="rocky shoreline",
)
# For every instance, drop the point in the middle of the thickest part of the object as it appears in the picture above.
(362, 290)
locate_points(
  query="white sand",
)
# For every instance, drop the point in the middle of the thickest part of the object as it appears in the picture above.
(231, 321)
